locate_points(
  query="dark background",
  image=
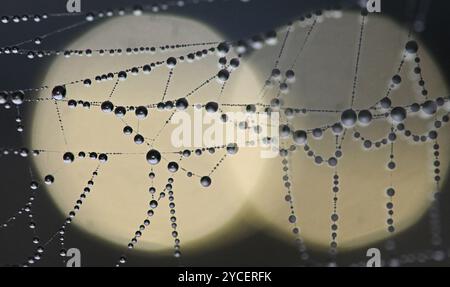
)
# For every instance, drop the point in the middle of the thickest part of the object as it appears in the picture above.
(235, 20)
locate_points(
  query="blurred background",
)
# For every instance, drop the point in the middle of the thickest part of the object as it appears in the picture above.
(235, 20)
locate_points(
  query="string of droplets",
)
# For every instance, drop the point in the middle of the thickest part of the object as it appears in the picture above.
(68, 53)
(18, 96)
(39, 251)
(349, 118)
(26, 209)
(136, 10)
(390, 192)
(292, 218)
(334, 220)
(317, 134)
(314, 131)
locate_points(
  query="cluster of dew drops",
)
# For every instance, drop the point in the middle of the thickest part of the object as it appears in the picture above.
(290, 138)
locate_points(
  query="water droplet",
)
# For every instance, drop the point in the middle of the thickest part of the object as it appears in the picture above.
(205, 181)
(17, 97)
(153, 204)
(141, 112)
(348, 118)
(153, 157)
(223, 75)
(68, 157)
(107, 107)
(172, 167)
(59, 93)
(300, 137)
(212, 107)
